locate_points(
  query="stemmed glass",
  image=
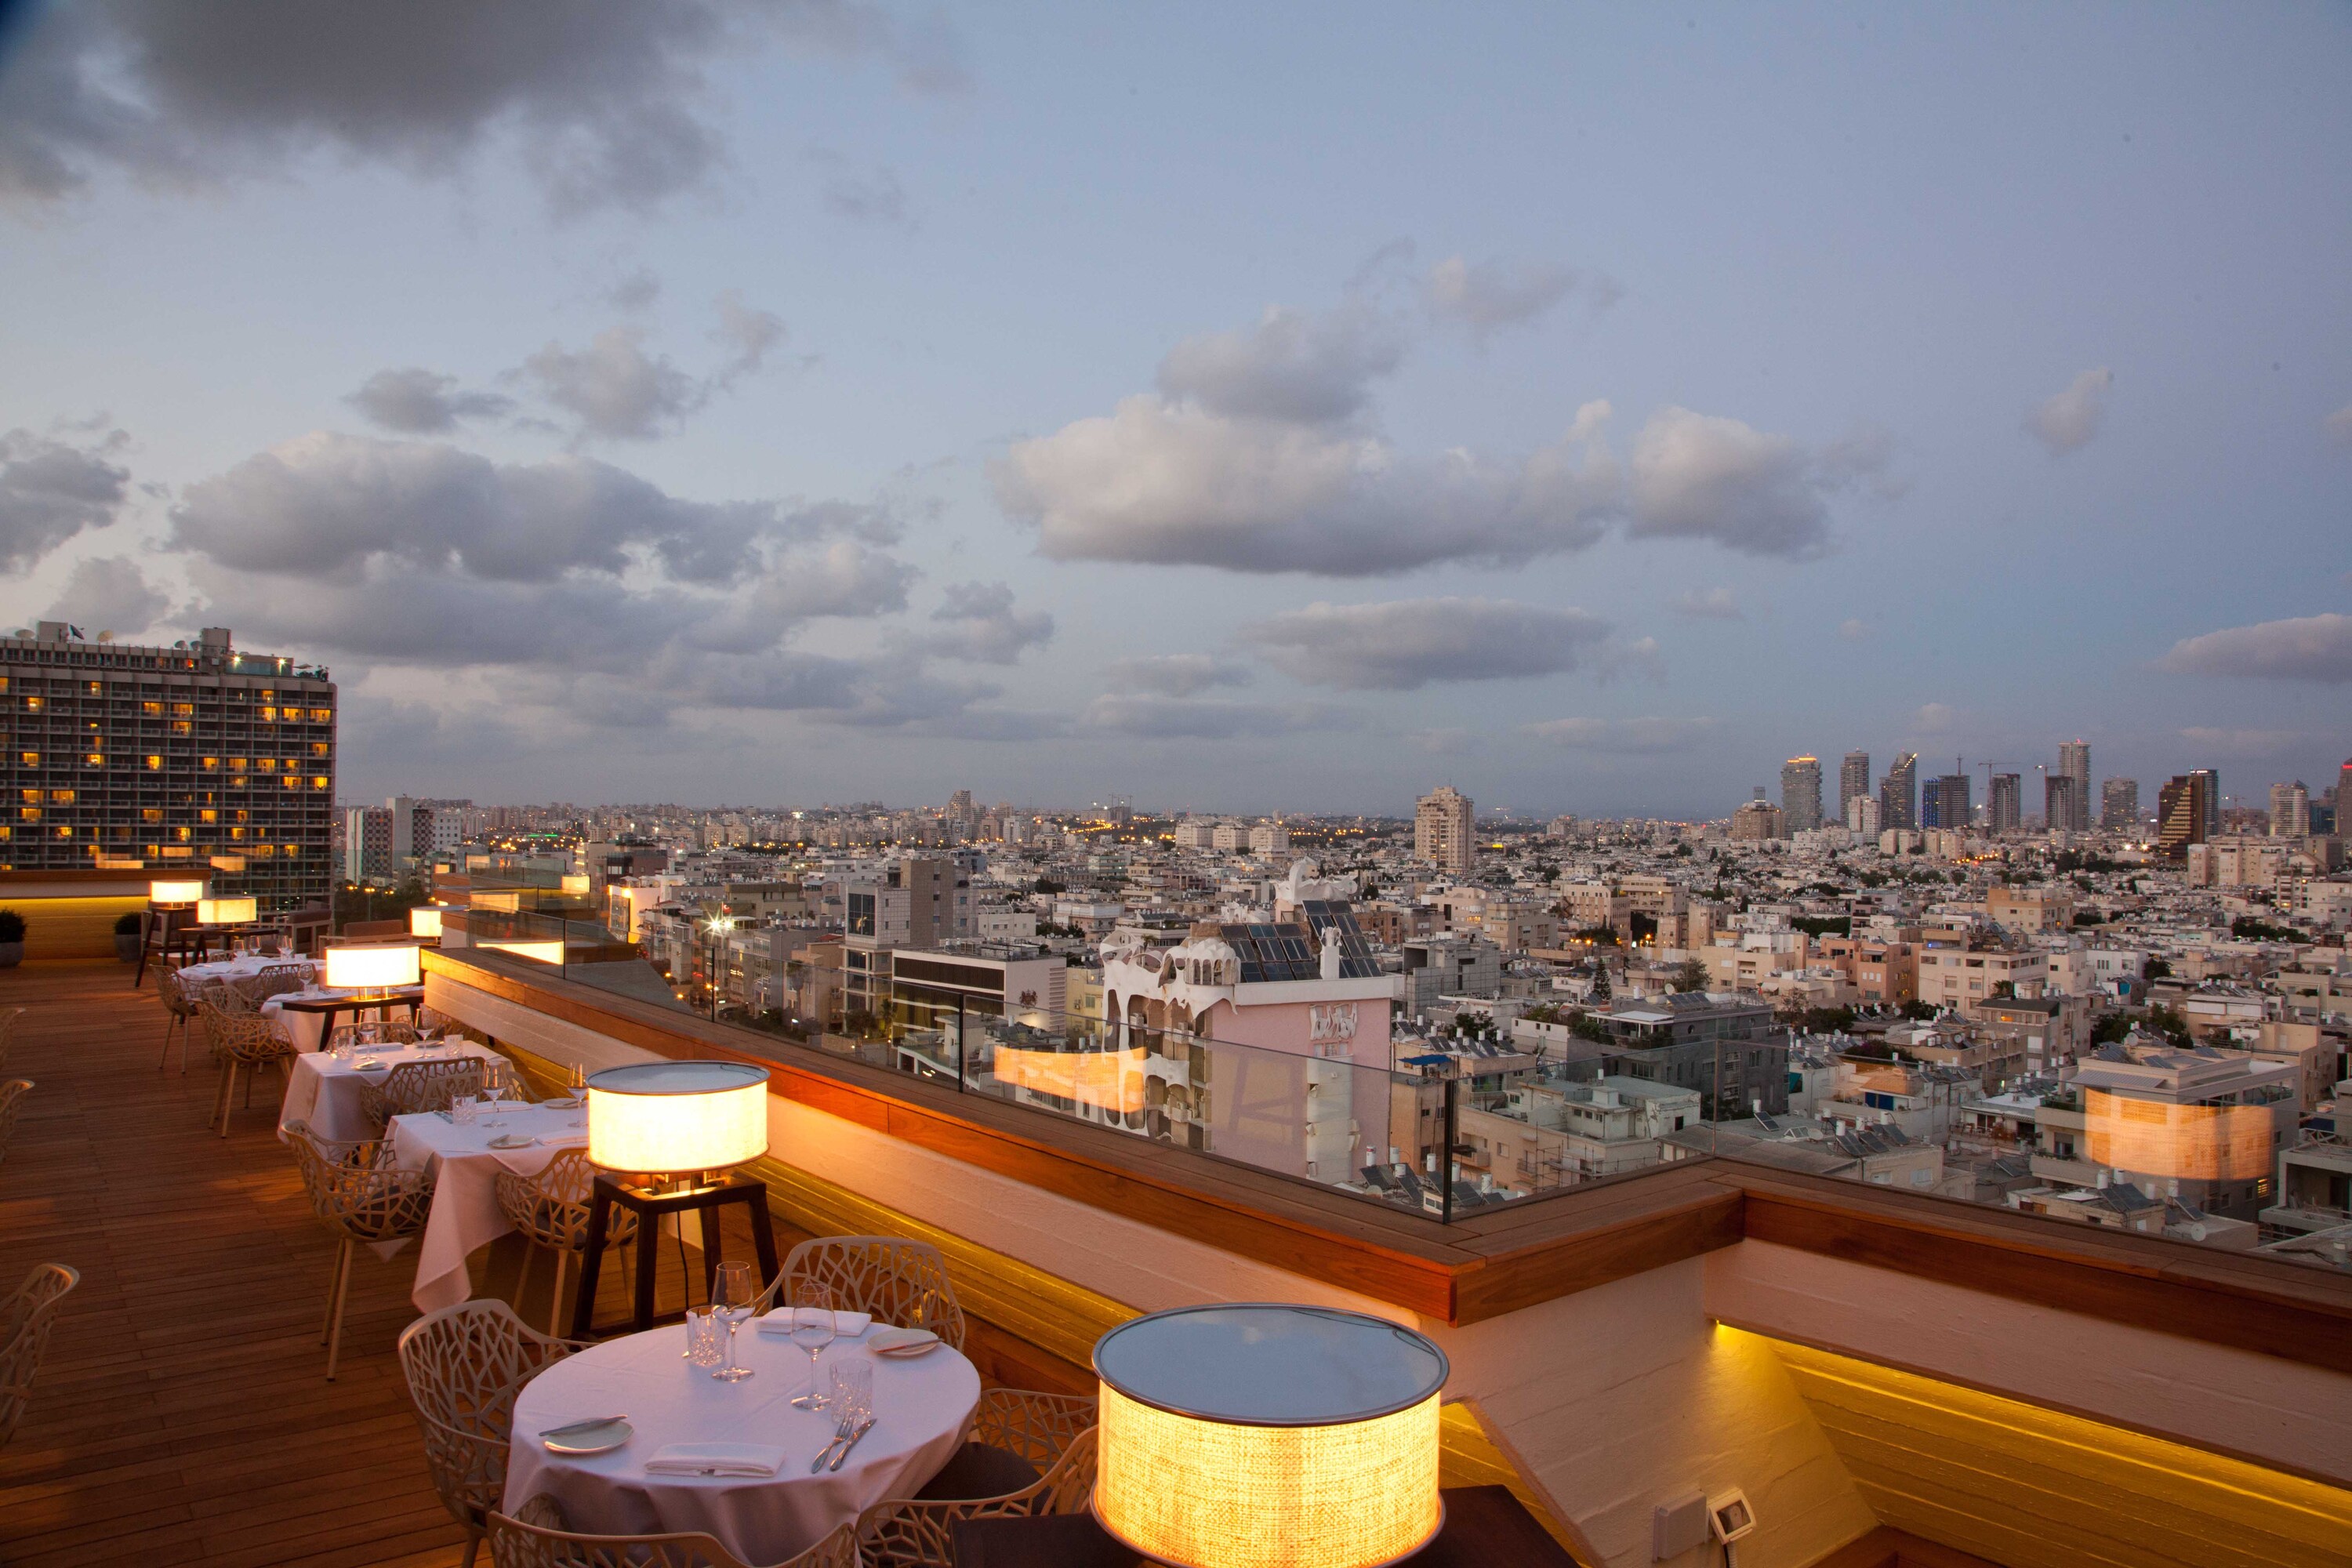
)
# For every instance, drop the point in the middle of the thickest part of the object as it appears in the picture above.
(576, 1081)
(734, 1290)
(812, 1329)
(494, 1085)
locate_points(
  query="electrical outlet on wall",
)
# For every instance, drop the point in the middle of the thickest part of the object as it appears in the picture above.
(1677, 1527)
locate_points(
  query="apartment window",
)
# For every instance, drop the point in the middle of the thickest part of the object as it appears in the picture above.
(320, 748)
(33, 704)
(210, 764)
(323, 715)
(97, 758)
(65, 832)
(208, 816)
(29, 812)
(151, 813)
(182, 727)
(319, 781)
(151, 710)
(267, 715)
(61, 797)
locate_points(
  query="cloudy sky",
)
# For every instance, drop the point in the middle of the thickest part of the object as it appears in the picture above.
(1237, 408)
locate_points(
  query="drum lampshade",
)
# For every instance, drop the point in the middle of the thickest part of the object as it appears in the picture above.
(175, 893)
(375, 966)
(424, 920)
(228, 912)
(671, 1117)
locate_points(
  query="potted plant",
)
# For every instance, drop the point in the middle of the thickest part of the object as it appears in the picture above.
(12, 939)
(128, 930)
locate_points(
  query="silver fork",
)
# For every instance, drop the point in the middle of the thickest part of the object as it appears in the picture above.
(841, 1434)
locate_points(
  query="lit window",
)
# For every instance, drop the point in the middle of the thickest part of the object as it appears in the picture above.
(151, 710)
(320, 748)
(236, 764)
(208, 816)
(33, 704)
(151, 813)
(154, 764)
(65, 832)
(236, 833)
(93, 688)
(184, 709)
(182, 727)
(32, 759)
(61, 797)
(185, 834)
(267, 714)
(211, 763)
(33, 796)
(98, 759)
(29, 812)
(293, 782)
(319, 781)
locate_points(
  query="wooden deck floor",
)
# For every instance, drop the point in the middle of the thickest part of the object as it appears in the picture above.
(182, 1414)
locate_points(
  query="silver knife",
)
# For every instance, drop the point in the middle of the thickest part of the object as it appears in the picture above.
(570, 1427)
(863, 1428)
(835, 1441)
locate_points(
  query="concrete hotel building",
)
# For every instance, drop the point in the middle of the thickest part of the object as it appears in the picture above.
(1442, 832)
(194, 757)
(1800, 793)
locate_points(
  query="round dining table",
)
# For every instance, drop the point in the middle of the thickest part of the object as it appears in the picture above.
(922, 1406)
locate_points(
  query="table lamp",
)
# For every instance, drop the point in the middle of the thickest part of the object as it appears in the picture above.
(425, 922)
(373, 968)
(1257, 1435)
(233, 912)
(175, 895)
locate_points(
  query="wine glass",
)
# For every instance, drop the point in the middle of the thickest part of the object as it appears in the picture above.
(812, 1329)
(734, 1290)
(494, 1085)
(576, 1081)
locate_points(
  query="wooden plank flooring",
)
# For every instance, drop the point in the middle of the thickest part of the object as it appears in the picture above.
(182, 1414)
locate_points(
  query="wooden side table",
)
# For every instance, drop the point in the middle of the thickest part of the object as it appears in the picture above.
(650, 1209)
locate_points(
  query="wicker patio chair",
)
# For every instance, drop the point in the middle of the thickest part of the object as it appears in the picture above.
(416, 1089)
(551, 1210)
(12, 1094)
(464, 1364)
(276, 980)
(359, 1192)
(247, 1040)
(179, 1013)
(896, 1281)
(24, 1319)
(919, 1531)
(396, 1032)
(538, 1536)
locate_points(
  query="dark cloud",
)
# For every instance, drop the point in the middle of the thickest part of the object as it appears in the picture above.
(1175, 674)
(1624, 737)
(1407, 644)
(613, 388)
(419, 402)
(605, 99)
(746, 333)
(874, 195)
(637, 292)
(50, 491)
(2307, 647)
(979, 624)
(1292, 366)
(109, 593)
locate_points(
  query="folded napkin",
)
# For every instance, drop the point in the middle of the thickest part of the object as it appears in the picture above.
(715, 1459)
(849, 1325)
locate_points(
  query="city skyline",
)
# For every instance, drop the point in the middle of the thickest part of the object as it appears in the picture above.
(835, 452)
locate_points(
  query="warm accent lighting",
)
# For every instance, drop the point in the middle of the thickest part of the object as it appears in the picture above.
(1110, 1080)
(1258, 1435)
(376, 966)
(676, 1118)
(175, 893)
(228, 912)
(547, 952)
(424, 920)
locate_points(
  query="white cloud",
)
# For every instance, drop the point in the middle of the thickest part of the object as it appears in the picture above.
(1707, 605)
(981, 626)
(1175, 674)
(1292, 366)
(1176, 484)
(1485, 296)
(109, 593)
(2338, 426)
(615, 389)
(417, 402)
(1627, 737)
(1405, 644)
(2308, 647)
(2068, 420)
(1699, 476)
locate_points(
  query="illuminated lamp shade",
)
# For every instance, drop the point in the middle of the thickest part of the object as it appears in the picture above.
(674, 1118)
(547, 952)
(228, 912)
(1262, 1435)
(175, 893)
(377, 966)
(424, 920)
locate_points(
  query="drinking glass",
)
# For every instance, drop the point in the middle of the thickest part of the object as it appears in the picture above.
(494, 1083)
(462, 1110)
(812, 1329)
(576, 1081)
(702, 1338)
(853, 1390)
(734, 1290)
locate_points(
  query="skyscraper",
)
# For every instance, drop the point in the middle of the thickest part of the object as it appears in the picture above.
(1800, 793)
(1853, 779)
(1441, 828)
(2212, 801)
(2060, 801)
(1898, 793)
(2075, 763)
(1945, 803)
(2119, 804)
(194, 759)
(2005, 803)
(2289, 810)
(2182, 807)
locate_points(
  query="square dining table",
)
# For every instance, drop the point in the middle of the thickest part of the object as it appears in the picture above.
(464, 1213)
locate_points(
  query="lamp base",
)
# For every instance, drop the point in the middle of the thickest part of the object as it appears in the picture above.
(705, 1198)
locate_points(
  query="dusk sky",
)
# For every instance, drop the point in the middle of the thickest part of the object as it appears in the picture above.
(1240, 408)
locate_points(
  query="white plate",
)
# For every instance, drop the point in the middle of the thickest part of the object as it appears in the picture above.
(512, 1140)
(903, 1341)
(583, 1438)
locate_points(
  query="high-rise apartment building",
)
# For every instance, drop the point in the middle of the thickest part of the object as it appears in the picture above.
(2289, 810)
(367, 843)
(1863, 816)
(1898, 793)
(2061, 804)
(2075, 763)
(194, 759)
(1441, 829)
(1800, 793)
(1853, 779)
(2183, 808)
(2005, 803)
(2213, 800)
(2119, 804)
(1945, 803)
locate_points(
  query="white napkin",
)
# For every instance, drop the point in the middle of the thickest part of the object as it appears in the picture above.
(848, 1325)
(715, 1459)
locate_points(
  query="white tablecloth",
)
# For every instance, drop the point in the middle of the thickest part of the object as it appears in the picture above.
(921, 1408)
(325, 1091)
(244, 967)
(464, 1213)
